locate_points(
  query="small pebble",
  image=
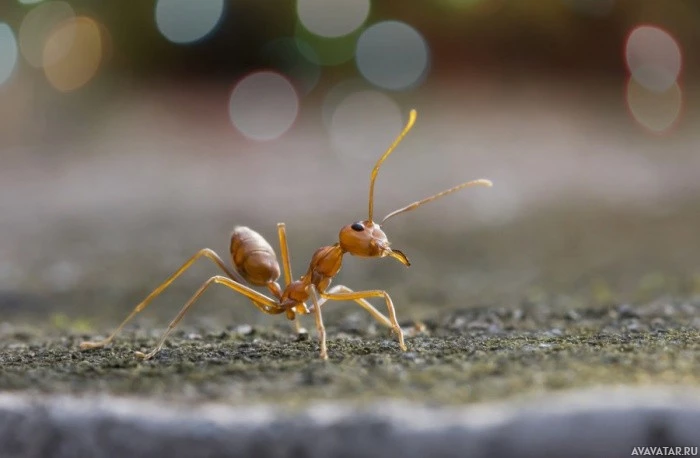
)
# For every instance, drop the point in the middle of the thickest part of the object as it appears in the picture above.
(411, 356)
(627, 311)
(244, 329)
(478, 325)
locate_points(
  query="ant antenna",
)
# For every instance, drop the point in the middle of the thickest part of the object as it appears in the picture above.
(414, 205)
(392, 147)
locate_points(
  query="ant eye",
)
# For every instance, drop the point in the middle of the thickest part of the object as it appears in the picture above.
(357, 227)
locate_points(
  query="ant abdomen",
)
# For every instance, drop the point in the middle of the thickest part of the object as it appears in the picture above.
(253, 257)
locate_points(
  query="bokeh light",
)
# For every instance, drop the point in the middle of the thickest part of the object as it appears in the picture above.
(188, 21)
(337, 94)
(656, 111)
(332, 18)
(392, 55)
(364, 124)
(72, 70)
(285, 55)
(29, 2)
(36, 27)
(653, 57)
(325, 51)
(263, 105)
(8, 52)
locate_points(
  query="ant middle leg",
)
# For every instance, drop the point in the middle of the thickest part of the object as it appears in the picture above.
(287, 268)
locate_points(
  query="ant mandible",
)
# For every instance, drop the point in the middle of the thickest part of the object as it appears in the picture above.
(255, 262)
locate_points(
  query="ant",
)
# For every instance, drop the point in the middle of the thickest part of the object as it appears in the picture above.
(256, 263)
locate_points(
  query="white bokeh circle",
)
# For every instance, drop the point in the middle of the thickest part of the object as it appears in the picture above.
(364, 124)
(8, 52)
(332, 18)
(656, 111)
(188, 21)
(392, 55)
(36, 27)
(653, 57)
(263, 105)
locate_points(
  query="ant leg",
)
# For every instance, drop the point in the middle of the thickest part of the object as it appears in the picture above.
(206, 252)
(376, 314)
(287, 267)
(345, 296)
(313, 292)
(264, 303)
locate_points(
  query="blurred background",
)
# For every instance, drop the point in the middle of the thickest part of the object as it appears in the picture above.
(132, 134)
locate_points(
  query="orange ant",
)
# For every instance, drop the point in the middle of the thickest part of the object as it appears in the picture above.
(256, 263)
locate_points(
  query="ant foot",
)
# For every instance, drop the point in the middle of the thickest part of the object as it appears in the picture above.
(143, 356)
(90, 345)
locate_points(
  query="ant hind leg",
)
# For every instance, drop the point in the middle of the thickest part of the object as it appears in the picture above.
(262, 302)
(205, 252)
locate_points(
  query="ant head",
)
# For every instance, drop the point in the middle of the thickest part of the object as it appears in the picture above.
(366, 239)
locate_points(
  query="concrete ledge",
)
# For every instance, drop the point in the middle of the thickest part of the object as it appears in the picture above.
(601, 423)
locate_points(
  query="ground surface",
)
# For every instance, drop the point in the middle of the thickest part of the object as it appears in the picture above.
(463, 357)
(561, 300)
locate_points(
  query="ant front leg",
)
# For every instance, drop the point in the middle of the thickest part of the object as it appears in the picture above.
(313, 292)
(354, 296)
(376, 314)
(287, 268)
